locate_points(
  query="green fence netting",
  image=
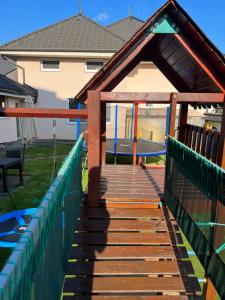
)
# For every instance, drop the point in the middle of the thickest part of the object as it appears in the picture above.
(37, 266)
(195, 194)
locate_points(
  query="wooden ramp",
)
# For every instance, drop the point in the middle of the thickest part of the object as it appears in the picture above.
(130, 251)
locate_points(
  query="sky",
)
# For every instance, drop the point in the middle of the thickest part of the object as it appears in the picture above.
(24, 16)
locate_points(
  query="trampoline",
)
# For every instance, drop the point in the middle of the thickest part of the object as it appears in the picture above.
(144, 148)
(122, 143)
(13, 225)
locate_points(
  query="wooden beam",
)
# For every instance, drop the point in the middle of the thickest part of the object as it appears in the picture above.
(94, 117)
(44, 113)
(135, 97)
(135, 133)
(161, 98)
(182, 121)
(173, 108)
(103, 133)
(200, 62)
(221, 152)
(200, 98)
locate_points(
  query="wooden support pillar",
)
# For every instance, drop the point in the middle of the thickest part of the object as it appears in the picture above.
(221, 153)
(135, 133)
(94, 152)
(173, 108)
(182, 121)
(103, 133)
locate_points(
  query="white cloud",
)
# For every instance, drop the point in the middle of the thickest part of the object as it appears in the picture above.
(103, 16)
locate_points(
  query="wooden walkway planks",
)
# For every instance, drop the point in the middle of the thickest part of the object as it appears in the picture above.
(163, 267)
(129, 238)
(125, 285)
(122, 225)
(127, 184)
(129, 253)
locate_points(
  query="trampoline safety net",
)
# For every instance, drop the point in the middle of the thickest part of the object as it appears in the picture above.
(36, 268)
(195, 194)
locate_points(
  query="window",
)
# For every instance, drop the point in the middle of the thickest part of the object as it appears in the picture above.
(50, 65)
(108, 112)
(93, 66)
(76, 105)
(3, 102)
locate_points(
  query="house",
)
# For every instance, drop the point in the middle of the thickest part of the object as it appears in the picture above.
(12, 94)
(60, 59)
(213, 119)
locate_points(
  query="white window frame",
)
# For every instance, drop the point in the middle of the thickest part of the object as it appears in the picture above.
(50, 70)
(94, 61)
(68, 122)
(6, 105)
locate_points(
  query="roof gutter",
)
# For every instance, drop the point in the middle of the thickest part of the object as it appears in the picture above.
(9, 94)
(65, 54)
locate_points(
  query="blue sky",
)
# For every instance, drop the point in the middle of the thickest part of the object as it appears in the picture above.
(24, 16)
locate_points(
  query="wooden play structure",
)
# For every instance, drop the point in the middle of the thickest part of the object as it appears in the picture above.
(128, 244)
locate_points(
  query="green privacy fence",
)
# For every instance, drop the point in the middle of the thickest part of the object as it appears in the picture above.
(37, 266)
(195, 193)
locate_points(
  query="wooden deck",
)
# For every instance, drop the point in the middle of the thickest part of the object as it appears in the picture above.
(130, 247)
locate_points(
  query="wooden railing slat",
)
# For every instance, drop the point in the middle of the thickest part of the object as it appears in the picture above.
(209, 144)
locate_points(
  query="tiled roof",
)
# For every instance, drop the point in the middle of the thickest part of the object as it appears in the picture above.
(8, 85)
(77, 33)
(5, 66)
(126, 28)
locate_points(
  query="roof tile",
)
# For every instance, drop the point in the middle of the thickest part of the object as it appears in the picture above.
(77, 33)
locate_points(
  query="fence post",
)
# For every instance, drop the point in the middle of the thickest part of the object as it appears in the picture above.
(173, 108)
(221, 152)
(182, 121)
(135, 133)
(103, 133)
(94, 152)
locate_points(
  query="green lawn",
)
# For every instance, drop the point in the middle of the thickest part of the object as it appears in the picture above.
(38, 166)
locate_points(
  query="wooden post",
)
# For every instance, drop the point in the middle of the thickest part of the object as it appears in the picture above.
(182, 121)
(103, 133)
(173, 108)
(221, 153)
(94, 119)
(135, 133)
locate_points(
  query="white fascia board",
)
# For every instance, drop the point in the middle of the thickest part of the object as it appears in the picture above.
(58, 54)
